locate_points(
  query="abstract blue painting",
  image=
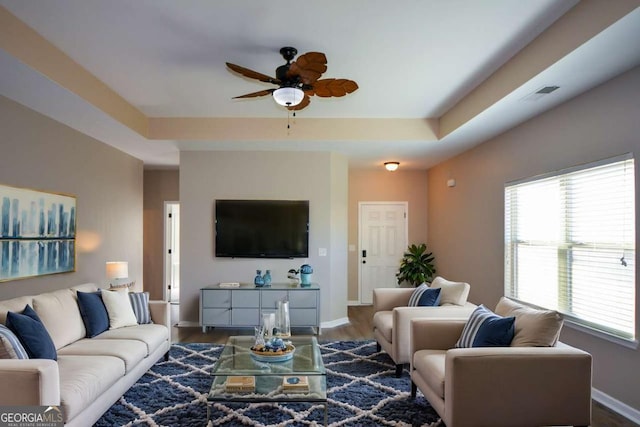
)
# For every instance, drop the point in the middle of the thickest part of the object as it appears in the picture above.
(37, 233)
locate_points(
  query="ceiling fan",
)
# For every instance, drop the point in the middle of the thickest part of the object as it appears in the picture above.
(298, 80)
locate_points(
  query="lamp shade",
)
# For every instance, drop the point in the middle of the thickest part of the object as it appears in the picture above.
(391, 166)
(117, 270)
(288, 96)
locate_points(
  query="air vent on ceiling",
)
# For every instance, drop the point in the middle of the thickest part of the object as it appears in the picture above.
(546, 90)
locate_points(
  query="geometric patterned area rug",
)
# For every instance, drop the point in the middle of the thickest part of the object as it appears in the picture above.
(362, 390)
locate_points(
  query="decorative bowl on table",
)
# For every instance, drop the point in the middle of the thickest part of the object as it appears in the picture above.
(273, 350)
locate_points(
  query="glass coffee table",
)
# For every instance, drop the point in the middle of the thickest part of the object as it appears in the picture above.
(238, 376)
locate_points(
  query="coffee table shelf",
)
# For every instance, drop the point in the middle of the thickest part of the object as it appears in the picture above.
(236, 360)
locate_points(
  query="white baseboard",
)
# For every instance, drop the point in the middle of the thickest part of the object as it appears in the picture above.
(354, 302)
(334, 323)
(615, 405)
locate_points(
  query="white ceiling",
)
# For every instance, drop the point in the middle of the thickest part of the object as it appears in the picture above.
(411, 58)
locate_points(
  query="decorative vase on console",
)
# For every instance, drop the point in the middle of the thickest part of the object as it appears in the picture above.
(267, 278)
(258, 281)
(305, 275)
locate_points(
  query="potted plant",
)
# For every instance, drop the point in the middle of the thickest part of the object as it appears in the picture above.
(416, 266)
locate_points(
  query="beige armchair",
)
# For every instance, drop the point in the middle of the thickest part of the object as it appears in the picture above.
(392, 317)
(498, 386)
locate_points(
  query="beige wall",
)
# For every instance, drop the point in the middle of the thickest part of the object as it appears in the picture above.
(317, 177)
(160, 186)
(42, 154)
(379, 185)
(466, 222)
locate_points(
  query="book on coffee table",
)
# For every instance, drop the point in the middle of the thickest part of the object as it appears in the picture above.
(295, 384)
(244, 383)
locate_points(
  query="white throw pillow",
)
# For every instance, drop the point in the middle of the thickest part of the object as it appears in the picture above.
(118, 308)
(452, 292)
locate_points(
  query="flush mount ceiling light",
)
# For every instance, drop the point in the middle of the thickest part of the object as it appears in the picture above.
(288, 96)
(391, 166)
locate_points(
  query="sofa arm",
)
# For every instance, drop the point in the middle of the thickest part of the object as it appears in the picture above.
(29, 382)
(524, 385)
(386, 299)
(435, 334)
(160, 313)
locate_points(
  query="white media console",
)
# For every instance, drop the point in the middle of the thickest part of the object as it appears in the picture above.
(243, 306)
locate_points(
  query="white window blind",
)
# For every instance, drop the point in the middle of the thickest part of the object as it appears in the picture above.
(570, 244)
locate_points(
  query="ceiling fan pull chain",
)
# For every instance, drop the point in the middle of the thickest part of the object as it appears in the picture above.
(288, 124)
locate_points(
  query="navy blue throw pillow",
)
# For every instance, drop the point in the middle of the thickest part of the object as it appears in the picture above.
(32, 334)
(486, 329)
(430, 297)
(93, 312)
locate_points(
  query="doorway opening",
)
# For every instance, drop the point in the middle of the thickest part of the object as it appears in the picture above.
(172, 253)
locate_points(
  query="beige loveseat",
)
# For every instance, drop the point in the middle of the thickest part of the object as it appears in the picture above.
(90, 374)
(392, 316)
(516, 386)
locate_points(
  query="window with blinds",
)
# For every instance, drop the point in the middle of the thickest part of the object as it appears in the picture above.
(570, 244)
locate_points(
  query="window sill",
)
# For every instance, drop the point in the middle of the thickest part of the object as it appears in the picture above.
(632, 344)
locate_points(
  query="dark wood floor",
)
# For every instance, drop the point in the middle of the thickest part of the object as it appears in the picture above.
(359, 328)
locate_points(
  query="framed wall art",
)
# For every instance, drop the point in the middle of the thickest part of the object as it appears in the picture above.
(37, 233)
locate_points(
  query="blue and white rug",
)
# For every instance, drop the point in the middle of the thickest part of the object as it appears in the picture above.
(362, 390)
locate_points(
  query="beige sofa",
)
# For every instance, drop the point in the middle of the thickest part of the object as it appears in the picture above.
(392, 319)
(90, 373)
(498, 386)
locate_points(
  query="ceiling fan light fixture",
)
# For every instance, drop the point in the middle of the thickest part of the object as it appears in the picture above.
(391, 166)
(288, 96)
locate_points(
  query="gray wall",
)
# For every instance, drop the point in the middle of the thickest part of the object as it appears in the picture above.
(42, 154)
(466, 223)
(320, 178)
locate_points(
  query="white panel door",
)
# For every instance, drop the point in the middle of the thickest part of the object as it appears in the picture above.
(383, 241)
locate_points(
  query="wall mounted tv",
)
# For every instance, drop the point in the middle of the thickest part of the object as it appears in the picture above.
(262, 228)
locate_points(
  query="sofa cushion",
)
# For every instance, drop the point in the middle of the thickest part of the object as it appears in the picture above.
(153, 335)
(486, 329)
(131, 352)
(119, 308)
(32, 334)
(10, 346)
(383, 322)
(15, 304)
(83, 379)
(533, 327)
(93, 312)
(61, 316)
(430, 363)
(140, 304)
(452, 292)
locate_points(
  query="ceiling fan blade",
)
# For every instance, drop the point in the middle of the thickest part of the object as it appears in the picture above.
(256, 94)
(326, 88)
(309, 67)
(305, 102)
(253, 74)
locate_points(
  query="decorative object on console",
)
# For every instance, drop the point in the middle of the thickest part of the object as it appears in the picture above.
(118, 274)
(38, 231)
(292, 274)
(305, 275)
(268, 323)
(258, 280)
(267, 278)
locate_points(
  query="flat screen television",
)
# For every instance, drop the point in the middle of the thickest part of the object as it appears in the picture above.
(262, 228)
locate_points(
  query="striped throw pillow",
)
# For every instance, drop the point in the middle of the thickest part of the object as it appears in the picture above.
(423, 296)
(10, 346)
(486, 329)
(140, 304)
